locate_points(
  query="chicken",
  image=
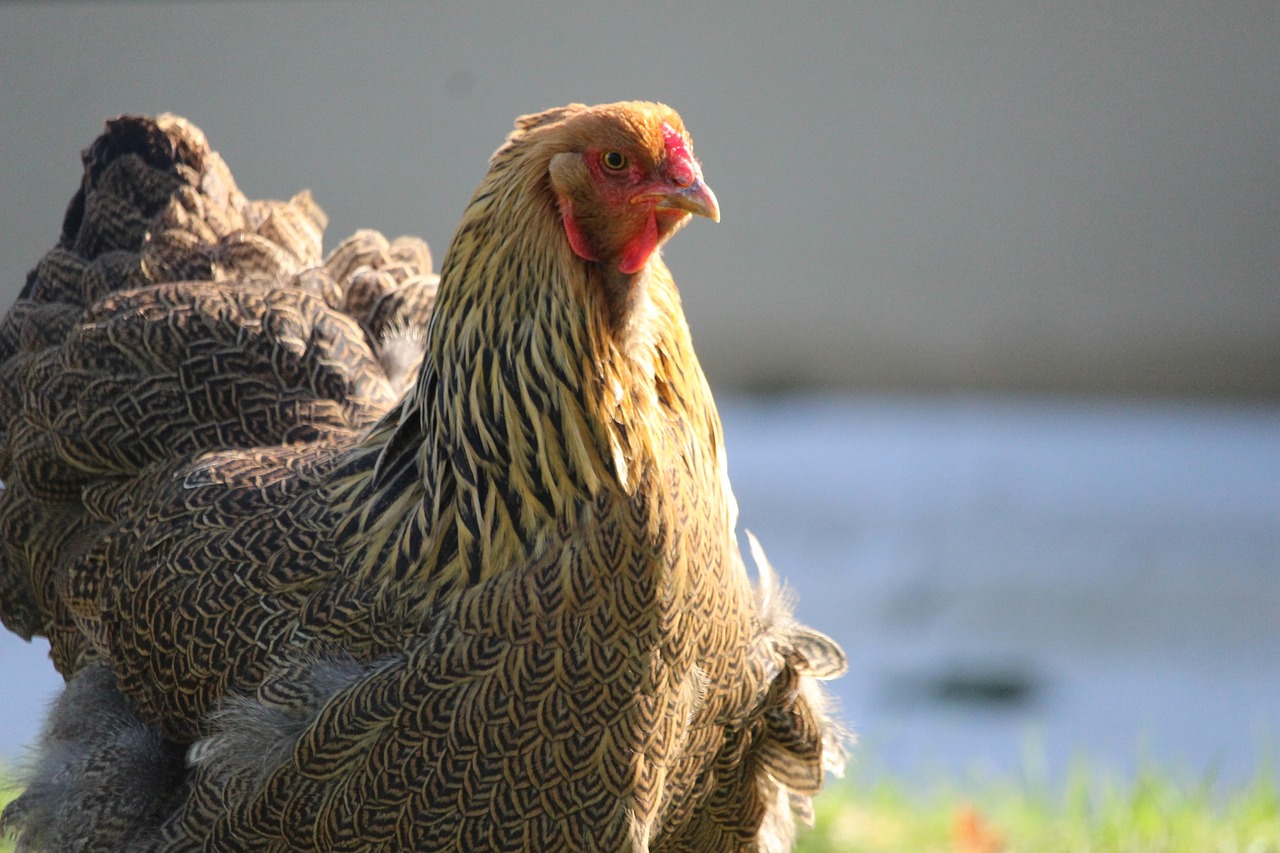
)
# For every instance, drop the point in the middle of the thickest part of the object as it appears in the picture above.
(310, 595)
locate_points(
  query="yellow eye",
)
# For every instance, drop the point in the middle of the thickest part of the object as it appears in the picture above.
(614, 160)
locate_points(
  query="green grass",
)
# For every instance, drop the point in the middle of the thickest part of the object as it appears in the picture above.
(1157, 812)
(7, 792)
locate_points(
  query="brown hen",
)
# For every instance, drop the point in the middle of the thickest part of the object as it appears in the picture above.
(300, 611)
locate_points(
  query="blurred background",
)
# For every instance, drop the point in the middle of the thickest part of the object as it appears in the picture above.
(993, 312)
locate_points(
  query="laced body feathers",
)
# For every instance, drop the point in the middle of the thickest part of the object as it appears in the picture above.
(506, 611)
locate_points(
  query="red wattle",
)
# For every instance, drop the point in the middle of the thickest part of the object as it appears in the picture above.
(637, 251)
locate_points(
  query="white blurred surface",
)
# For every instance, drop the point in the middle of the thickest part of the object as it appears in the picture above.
(1117, 565)
(1111, 571)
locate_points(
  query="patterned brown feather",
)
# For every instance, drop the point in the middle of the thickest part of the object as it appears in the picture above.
(504, 611)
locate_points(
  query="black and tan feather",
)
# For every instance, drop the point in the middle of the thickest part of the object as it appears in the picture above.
(336, 602)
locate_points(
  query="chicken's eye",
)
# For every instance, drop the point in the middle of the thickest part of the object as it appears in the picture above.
(614, 161)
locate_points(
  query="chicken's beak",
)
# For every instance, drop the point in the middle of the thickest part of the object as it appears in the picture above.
(697, 198)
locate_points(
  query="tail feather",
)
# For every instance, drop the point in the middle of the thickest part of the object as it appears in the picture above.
(174, 316)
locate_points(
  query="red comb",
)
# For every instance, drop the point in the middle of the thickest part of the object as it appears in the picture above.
(680, 163)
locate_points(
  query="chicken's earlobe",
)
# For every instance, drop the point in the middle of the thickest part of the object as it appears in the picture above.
(577, 240)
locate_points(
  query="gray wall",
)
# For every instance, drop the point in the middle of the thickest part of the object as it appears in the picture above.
(1051, 196)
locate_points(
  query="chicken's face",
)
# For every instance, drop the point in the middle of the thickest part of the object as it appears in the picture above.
(626, 186)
